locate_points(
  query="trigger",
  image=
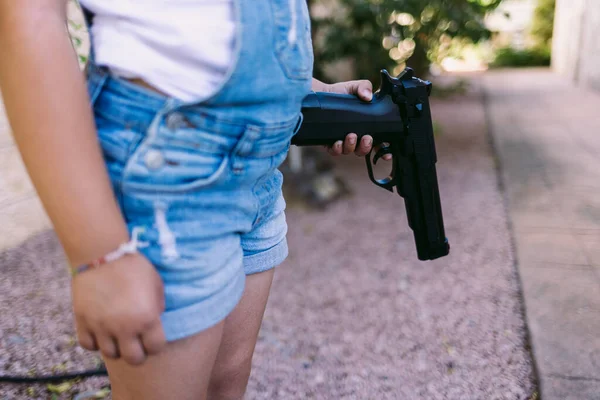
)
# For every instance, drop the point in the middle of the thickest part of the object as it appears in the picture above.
(381, 152)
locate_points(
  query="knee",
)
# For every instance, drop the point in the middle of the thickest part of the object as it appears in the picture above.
(229, 380)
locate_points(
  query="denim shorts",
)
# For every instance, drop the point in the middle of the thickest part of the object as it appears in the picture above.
(206, 192)
(200, 179)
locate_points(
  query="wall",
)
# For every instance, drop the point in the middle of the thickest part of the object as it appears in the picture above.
(511, 22)
(576, 41)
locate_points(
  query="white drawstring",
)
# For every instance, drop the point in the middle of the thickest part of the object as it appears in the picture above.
(130, 247)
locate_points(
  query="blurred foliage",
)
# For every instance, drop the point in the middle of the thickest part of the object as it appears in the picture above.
(539, 52)
(375, 34)
(77, 31)
(532, 57)
(543, 22)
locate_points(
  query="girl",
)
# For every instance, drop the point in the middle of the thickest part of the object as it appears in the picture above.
(165, 192)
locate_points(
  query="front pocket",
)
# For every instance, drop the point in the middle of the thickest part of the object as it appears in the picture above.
(293, 42)
(161, 169)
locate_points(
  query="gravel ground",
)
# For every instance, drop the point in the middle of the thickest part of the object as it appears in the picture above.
(353, 314)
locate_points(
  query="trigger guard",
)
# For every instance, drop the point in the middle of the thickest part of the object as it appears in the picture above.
(380, 153)
(386, 183)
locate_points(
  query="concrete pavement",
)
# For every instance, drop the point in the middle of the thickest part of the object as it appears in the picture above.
(546, 134)
(21, 213)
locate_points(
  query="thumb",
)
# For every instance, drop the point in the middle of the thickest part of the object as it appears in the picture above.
(361, 88)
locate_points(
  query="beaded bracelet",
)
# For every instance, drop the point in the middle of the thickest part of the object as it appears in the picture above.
(130, 247)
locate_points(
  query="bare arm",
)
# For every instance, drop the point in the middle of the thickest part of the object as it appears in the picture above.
(117, 308)
(48, 108)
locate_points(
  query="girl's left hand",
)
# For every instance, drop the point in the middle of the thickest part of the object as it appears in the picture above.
(363, 89)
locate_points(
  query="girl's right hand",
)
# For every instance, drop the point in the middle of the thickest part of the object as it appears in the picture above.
(117, 309)
(118, 305)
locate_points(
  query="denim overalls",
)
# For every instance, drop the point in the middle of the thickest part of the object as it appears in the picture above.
(201, 179)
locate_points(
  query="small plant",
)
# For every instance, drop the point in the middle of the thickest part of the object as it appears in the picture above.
(533, 57)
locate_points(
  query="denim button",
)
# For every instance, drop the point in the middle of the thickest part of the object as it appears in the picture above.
(175, 120)
(154, 159)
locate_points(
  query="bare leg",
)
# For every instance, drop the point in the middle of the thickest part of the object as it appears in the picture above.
(234, 360)
(181, 371)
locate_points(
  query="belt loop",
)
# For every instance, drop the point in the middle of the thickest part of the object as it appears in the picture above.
(246, 142)
(243, 147)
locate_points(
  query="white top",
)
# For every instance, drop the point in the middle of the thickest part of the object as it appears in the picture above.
(181, 47)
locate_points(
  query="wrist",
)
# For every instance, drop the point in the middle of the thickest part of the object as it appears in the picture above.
(126, 248)
(318, 86)
(93, 244)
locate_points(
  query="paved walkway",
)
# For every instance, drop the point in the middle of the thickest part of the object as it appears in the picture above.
(21, 213)
(547, 135)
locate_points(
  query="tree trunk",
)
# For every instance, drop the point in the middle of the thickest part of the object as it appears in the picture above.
(419, 61)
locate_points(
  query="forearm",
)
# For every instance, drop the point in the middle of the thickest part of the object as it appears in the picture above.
(48, 109)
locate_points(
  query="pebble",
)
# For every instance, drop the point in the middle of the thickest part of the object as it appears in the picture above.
(16, 339)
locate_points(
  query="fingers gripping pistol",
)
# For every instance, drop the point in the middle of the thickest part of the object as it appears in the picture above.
(399, 120)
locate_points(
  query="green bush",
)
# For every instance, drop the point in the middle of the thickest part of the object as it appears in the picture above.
(534, 57)
(541, 32)
(543, 22)
(375, 34)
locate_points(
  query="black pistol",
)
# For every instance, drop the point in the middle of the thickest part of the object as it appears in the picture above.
(399, 120)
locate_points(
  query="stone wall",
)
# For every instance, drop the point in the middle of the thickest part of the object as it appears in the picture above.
(576, 41)
(511, 22)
